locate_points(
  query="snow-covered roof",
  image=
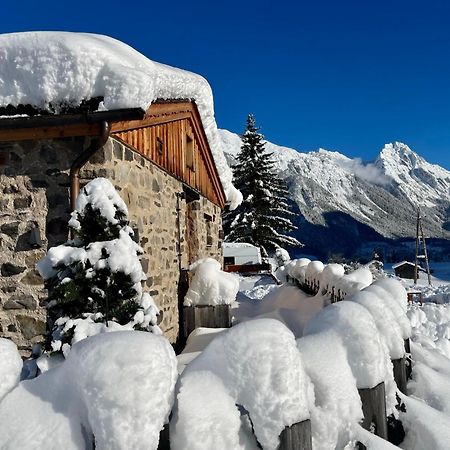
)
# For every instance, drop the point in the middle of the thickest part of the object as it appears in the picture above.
(238, 245)
(402, 263)
(50, 70)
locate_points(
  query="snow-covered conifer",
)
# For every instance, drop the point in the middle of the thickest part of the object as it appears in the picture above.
(264, 217)
(94, 280)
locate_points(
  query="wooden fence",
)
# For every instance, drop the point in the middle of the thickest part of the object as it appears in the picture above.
(298, 436)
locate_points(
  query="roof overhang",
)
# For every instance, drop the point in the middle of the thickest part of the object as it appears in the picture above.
(62, 125)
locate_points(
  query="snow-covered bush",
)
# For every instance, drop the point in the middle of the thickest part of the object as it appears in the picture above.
(116, 388)
(255, 364)
(96, 277)
(10, 366)
(210, 285)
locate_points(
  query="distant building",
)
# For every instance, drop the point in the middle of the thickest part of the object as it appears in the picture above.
(405, 269)
(239, 253)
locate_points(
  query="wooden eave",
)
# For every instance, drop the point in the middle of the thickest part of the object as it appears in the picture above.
(163, 112)
(89, 124)
(63, 125)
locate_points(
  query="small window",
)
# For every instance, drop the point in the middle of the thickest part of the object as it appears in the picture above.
(159, 146)
(209, 237)
(190, 152)
(228, 260)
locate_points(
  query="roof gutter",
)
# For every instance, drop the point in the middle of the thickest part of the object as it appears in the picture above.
(83, 158)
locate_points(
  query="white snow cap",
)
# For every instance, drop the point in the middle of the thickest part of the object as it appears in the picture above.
(102, 196)
(10, 366)
(356, 327)
(255, 364)
(211, 285)
(43, 68)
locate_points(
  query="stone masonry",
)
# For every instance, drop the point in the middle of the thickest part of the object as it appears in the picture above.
(34, 188)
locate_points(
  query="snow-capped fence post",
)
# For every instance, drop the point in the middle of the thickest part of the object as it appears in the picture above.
(296, 437)
(374, 409)
(208, 316)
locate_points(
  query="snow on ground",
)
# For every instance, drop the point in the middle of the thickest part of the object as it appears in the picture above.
(116, 386)
(48, 70)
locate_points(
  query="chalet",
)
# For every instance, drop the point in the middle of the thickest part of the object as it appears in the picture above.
(160, 160)
(406, 269)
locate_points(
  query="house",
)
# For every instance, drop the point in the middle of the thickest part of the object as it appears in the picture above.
(406, 269)
(239, 253)
(159, 155)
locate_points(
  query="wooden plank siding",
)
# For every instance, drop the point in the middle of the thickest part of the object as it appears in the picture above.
(162, 137)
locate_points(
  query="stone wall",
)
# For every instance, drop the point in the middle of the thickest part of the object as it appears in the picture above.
(34, 187)
(151, 196)
(33, 175)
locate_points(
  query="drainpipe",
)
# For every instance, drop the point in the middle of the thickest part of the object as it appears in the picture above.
(83, 158)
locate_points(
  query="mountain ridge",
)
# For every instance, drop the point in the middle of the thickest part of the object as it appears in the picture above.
(377, 200)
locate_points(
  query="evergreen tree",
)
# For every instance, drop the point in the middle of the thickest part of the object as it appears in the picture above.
(264, 217)
(96, 277)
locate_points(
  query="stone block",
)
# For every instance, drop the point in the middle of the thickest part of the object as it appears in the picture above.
(32, 278)
(11, 229)
(22, 202)
(21, 302)
(31, 326)
(10, 269)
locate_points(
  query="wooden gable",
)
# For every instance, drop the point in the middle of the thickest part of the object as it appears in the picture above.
(172, 136)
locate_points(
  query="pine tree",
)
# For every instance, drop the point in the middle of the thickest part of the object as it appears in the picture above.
(97, 276)
(264, 217)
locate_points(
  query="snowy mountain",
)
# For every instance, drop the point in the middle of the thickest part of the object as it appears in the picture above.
(352, 203)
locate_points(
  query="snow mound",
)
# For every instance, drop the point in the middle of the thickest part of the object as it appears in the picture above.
(260, 368)
(10, 366)
(117, 387)
(210, 285)
(355, 325)
(49, 70)
(337, 402)
(298, 268)
(395, 299)
(207, 417)
(385, 321)
(314, 269)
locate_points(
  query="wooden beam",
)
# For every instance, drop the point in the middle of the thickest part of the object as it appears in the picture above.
(24, 134)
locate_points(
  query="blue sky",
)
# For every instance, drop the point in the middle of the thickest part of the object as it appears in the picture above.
(342, 75)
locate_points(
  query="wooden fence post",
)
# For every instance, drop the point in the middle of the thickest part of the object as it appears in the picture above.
(374, 409)
(164, 438)
(400, 376)
(296, 437)
(408, 361)
(217, 316)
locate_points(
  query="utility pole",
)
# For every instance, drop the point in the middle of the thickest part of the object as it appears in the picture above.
(420, 238)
